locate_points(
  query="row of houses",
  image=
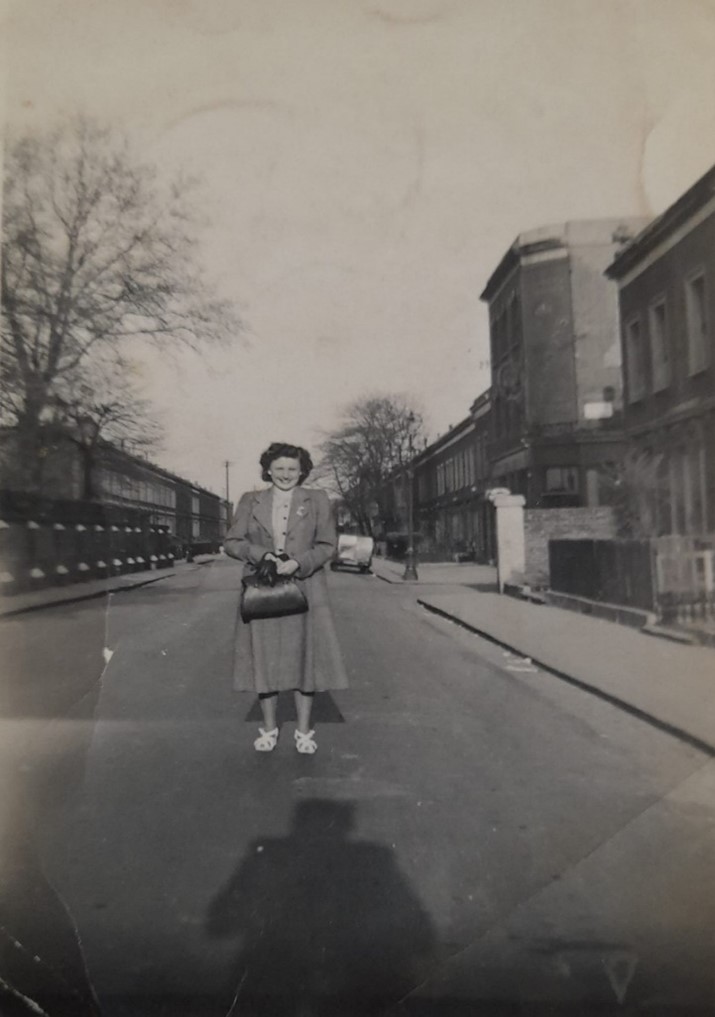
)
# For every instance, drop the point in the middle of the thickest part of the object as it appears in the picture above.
(602, 384)
(191, 513)
(113, 477)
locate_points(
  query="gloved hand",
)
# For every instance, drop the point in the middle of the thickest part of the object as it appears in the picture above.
(267, 571)
(287, 566)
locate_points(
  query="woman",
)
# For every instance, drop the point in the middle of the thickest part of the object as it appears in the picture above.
(292, 526)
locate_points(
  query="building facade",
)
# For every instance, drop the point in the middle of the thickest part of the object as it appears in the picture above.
(191, 513)
(187, 511)
(666, 287)
(485, 521)
(451, 477)
(556, 417)
(444, 477)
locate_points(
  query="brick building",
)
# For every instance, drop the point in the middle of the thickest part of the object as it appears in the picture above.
(484, 531)
(444, 477)
(666, 287)
(118, 478)
(191, 513)
(451, 477)
(556, 363)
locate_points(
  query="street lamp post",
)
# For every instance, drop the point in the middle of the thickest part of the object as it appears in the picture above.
(410, 572)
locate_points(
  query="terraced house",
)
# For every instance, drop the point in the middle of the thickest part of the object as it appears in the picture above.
(556, 363)
(666, 287)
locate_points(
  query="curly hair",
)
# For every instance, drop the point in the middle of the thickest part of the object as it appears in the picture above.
(281, 450)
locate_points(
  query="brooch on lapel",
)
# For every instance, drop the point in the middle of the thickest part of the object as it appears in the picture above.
(301, 511)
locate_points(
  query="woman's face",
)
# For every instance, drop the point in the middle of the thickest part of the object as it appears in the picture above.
(285, 473)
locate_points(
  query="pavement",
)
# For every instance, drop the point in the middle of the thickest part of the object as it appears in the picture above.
(671, 684)
(52, 596)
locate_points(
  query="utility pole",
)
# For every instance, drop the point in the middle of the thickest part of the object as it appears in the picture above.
(227, 523)
(411, 556)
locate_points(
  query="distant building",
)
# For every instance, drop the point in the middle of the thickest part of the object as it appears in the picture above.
(191, 512)
(666, 287)
(451, 477)
(484, 521)
(556, 363)
(444, 490)
(188, 511)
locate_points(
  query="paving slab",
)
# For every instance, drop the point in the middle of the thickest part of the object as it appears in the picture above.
(672, 684)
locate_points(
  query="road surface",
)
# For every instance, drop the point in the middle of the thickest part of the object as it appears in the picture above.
(473, 835)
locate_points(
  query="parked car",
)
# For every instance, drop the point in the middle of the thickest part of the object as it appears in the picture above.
(354, 552)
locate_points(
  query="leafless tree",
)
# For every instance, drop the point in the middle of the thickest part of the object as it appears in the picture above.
(100, 409)
(377, 435)
(96, 250)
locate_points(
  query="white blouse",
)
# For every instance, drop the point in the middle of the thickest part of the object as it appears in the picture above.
(281, 510)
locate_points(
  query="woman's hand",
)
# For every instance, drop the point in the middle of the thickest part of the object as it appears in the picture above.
(287, 568)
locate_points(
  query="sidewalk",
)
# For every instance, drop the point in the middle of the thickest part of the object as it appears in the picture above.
(52, 596)
(440, 573)
(672, 684)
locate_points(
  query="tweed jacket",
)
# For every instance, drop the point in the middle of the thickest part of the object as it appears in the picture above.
(311, 537)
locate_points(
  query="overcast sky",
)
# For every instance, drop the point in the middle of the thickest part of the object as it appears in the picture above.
(366, 163)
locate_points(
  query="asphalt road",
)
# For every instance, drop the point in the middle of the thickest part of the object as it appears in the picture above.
(473, 835)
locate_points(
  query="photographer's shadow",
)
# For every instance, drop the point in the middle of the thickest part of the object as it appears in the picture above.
(327, 924)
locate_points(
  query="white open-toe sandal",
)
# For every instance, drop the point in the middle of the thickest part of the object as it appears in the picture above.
(267, 740)
(305, 743)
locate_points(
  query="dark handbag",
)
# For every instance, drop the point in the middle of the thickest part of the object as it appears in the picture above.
(267, 595)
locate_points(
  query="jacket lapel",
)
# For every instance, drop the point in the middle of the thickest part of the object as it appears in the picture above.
(298, 508)
(263, 509)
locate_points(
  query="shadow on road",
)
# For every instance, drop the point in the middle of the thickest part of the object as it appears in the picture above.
(327, 924)
(42, 965)
(49, 690)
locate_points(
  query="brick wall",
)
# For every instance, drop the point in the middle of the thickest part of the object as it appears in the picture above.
(542, 525)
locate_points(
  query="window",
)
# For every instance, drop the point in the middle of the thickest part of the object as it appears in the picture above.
(561, 479)
(635, 360)
(483, 459)
(697, 324)
(678, 506)
(440, 479)
(195, 504)
(514, 317)
(659, 345)
(498, 337)
(697, 498)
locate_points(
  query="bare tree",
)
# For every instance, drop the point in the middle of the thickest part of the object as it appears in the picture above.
(100, 409)
(95, 251)
(377, 435)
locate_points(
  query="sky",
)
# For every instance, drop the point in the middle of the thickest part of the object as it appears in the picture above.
(364, 166)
